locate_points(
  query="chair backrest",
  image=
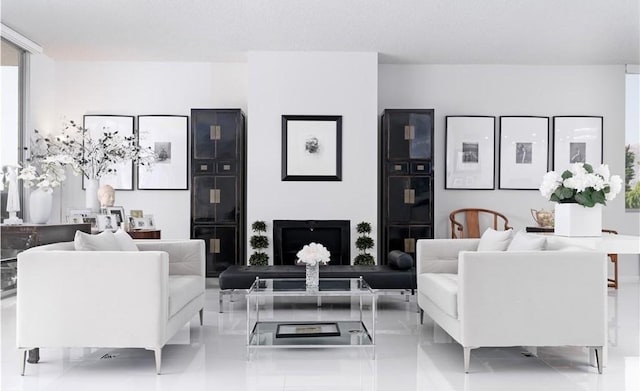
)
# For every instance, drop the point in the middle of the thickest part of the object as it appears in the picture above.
(465, 223)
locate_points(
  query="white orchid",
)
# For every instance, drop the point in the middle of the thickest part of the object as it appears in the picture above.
(313, 253)
(581, 184)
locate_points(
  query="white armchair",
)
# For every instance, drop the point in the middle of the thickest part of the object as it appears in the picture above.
(112, 299)
(502, 298)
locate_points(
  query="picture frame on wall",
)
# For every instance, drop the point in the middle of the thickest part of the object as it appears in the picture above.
(524, 151)
(122, 179)
(311, 148)
(470, 152)
(577, 139)
(168, 136)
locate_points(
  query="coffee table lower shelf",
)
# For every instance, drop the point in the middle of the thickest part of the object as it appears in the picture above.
(353, 334)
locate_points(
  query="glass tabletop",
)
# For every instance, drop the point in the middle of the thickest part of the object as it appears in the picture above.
(297, 287)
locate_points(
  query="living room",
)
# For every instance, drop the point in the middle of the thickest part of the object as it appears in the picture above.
(546, 72)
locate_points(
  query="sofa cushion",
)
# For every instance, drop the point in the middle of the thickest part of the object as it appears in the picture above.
(442, 290)
(183, 289)
(400, 260)
(125, 241)
(493, 240)
(526, 242)
(104, 241)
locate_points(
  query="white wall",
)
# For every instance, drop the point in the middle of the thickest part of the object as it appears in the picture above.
(137, 88)
(312, 83)
(513, 90)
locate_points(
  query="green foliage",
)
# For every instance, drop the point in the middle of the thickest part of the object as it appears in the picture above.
(259, 259)
(364, 259)
(363, 228)
(364, 243)
(629, 172)
(632, 198)
(259, 242)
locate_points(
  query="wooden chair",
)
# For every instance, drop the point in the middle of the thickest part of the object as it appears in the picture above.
(470, 228)
(613, 282)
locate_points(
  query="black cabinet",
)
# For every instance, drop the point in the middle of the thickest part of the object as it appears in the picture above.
(406, 169)
(218, 185)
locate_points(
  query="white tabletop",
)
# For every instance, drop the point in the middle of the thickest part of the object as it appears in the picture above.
(607, 243)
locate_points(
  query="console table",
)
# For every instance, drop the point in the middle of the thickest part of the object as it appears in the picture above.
(145, 233)
(609, 244)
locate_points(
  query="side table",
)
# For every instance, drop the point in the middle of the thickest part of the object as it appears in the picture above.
(145, 233)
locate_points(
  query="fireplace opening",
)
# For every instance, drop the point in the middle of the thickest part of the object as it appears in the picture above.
(289, 236)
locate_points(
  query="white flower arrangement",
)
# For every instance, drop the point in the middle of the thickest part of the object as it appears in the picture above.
(313, 254)
(582, 185)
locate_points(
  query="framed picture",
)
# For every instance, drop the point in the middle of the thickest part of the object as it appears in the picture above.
(149, 222)
(470, 152)
(168, 136)
(576, 139)
(137, 223)
(136, 213)
(122, 179)
(297, 330)
(106, 223)
(311, 148)
(524, 151)
(117, 212)
(75, 219)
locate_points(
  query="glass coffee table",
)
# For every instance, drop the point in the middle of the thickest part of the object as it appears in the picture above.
(284, 329)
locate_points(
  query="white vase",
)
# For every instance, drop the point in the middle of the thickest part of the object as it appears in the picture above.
(40, 203)
(91, 194)
(577, 220)
(312, 276)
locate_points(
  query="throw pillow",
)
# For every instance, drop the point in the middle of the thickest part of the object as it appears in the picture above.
(493, 240)
(125, 241)
(104, 241)
(400, 260)
(524, 242)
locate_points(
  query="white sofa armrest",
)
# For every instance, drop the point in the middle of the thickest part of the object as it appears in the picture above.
(91, 298)
(441, 255)
(186, 257)
(542, 298)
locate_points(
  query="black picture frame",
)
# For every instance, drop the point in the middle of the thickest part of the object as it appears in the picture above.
(168, 134)
(523, 151)
(307, 329)
(470, 152)
(580, 133)
(312, 148)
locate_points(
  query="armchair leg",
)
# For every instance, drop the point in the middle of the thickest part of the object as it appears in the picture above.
(23, 359)
(421, 316)
(158, 354)
(597, 352)
(467, 358)
(201, 312)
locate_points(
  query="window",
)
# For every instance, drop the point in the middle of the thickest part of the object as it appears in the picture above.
(12, 113)
(632, 142)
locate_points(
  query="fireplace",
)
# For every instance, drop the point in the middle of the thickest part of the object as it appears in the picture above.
(290, 235)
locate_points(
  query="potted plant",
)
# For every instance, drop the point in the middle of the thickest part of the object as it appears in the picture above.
(364, 243)
(258, 243)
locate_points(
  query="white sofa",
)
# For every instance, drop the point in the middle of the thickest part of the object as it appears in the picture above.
(108, 299)
(520, 298)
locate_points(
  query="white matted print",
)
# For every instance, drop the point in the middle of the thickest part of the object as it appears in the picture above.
(107, 222)
(167, 136)
(470, 152)
(97, 126)
(311, 148)
(576, 139)
(524, 146)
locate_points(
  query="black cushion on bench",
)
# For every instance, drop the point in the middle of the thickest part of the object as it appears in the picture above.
(377, 276)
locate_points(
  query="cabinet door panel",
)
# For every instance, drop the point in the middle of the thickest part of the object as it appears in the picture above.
(220, 247)
(204, 208)
(420, 209)
(227, 202)
(409, 135)
(204, 143)
(404, 238)
(399, 199)
(227, 144)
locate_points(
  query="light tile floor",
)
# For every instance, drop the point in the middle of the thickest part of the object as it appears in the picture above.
(410, 356)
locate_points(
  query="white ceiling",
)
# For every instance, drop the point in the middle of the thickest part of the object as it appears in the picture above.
(402, 31)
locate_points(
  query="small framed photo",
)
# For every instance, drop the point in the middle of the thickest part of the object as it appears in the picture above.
(311, 147)
(524, 151)
(136, 213)
(576, 139)
(470, 152)
(149, 222)
(117, 212)
(75, 219)
(137, 223)
(106, 223)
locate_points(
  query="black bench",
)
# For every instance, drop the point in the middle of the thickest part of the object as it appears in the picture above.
(399, 274)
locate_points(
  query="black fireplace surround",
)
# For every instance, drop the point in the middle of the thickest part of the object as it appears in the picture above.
(289, 236)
